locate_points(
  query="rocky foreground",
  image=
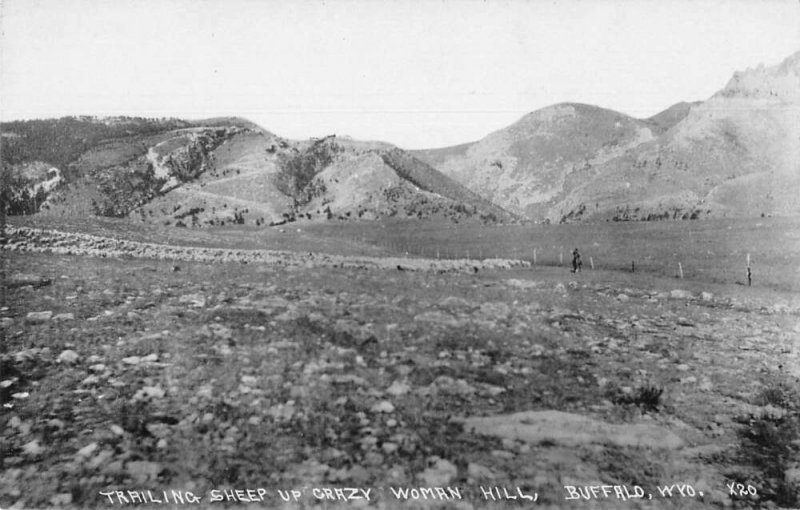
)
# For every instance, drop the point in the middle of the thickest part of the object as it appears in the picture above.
(313, 379)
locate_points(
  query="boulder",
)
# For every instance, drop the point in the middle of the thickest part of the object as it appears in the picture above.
(440, 472)
(35, 317)
(25, 279)
(570, 430)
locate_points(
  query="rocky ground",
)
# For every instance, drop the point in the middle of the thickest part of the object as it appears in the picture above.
(176, 371)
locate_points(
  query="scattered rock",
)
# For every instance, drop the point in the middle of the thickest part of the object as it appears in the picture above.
(100, 459)
(680, 294)
(32, 449)
(398, 388)
(571, 430)
(502, 454)
(24, 279)
(87, 450)
(440, 472)
(143, 471)
(448, 386)
(249, 380)
(454, 302)
(437, 317)
(148, 392)
(383, 406)
(389, 447)
(521, 284)
(62, 499)
(479, 472)
(35, 317)
(196, 300)
(90, 380)
(220, 331)
(281, 412)
(68, 356)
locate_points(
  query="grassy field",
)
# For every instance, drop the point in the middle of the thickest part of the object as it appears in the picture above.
(711, 251)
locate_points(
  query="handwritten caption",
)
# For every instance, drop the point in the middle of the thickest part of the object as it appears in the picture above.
(447, 493)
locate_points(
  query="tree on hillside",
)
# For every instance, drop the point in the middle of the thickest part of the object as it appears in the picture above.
(297, 169)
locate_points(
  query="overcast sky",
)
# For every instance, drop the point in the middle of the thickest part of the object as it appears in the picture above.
(415, 73)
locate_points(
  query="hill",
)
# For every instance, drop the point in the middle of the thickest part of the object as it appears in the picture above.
(735, 154)
(531, 164)
(346, 179)
(219, 171)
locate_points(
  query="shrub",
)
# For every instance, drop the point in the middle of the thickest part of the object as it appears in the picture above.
(648, 397)
(297, 169)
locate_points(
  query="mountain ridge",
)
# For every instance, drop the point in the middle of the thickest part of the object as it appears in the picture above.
(576, 162)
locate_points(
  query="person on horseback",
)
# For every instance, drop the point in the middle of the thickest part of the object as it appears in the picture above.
(576, 261)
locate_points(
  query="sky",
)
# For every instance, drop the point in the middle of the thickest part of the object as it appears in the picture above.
(417, 73)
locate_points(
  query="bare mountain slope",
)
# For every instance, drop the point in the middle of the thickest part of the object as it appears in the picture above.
(528, 166)
(735, 154)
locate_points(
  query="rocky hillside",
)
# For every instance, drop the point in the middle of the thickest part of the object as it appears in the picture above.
(37, 156)
(223, 171)
(735, 154)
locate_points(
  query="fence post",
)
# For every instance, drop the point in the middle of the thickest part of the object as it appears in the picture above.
(680, 270)
(561, 259)
(749, 274)
(591, 262)
(534, 256)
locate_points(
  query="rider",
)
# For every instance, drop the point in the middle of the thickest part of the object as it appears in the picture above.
(576, 261)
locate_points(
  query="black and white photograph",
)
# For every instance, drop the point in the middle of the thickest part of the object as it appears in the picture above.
(400, 254)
